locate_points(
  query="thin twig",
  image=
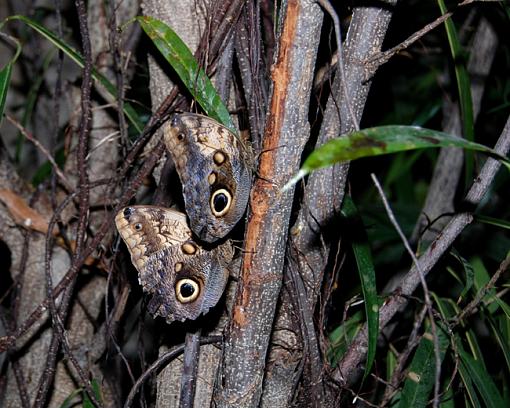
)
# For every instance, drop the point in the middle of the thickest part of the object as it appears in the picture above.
(426, 293)
(382, 57)
(14, 360)
(28, 135)
(403, 357)
(6, 342)
(160, 362)
(469, 309)
(113, 39)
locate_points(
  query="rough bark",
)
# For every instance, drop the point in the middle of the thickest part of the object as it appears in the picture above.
(239, 383)
(321, 204)
(188, 20)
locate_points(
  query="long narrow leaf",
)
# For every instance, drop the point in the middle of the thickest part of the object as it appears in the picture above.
(30, 102)
(383, 140)
(422, 371)
(448, 309)
(5, 80)
(340, 337)
(366, 273)
(464, 88)
(468, 271)
(482, 380)
(78, 59)
(503, 344)
(175, 51)
(5, 75)
(492, 221)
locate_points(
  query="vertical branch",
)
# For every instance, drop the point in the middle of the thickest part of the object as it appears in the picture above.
(323, 197)
(85, 119)
(190, 369)
(286, 132)
(59, 318)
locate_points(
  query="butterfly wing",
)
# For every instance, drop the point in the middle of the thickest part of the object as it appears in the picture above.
(184, 279)
(213, 165)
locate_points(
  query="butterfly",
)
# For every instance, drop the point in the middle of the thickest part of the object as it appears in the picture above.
(214, 168)
(184, 279)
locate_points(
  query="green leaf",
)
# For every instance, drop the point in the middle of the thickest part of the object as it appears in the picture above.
(87, 403)
(391, 363)
(503, 344)
(469, 386)
(78, 59)
(69, 401)
(5, 75)
(493, 221)
(482, 380)
(366, 272)
(175, 51)
(422, 371)
(342, 336)
(5, 80)
(503, 305)
(482, 277)
(45, 169)
(447, 399)
(468, 271)
(464, 88)
(399, 167)
(383, 140)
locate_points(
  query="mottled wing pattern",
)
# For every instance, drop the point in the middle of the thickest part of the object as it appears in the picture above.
(184, 279)
(214, 168)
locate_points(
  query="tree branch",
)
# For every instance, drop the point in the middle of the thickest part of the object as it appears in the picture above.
(286, 132)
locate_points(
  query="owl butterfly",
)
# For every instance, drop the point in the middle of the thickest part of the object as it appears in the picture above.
(213, 165)
(184, 279)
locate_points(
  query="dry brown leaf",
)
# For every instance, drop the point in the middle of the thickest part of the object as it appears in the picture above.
(22, 213)
(29, 218)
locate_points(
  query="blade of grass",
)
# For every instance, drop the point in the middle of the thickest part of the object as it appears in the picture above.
(340, 338)
(381, 140)
(69, 401)
(75, 56)
(468, 271)
(448, 309)
(5, 74)
(366, 271)
(178, 55)
(5, 80)
(30, 102)
(493, 221)
(87, 402)
(503, 344)
(482, 380)
(464, 88)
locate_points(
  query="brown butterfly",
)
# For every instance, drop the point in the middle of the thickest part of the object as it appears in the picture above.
(184, 279)
(214, 167)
